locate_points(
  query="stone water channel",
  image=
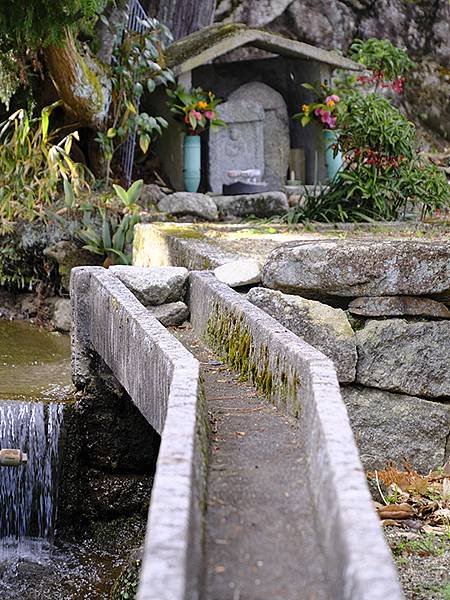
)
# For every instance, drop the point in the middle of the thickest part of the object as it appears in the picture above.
(46, 551)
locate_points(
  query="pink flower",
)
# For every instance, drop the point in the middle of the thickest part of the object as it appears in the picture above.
(331, 122)
(209, 114)
(397, 85)
(196, 114)
(334, 98)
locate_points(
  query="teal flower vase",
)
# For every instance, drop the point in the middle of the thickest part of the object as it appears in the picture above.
(192, 162)
(333, 163)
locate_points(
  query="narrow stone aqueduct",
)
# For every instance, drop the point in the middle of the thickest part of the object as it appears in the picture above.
(321, 534)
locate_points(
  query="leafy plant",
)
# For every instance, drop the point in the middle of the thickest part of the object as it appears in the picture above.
(20, 268)
(42, 22)
(367, 192)
(388, 64)
(33, 168)
(371, 122)
(138, 65)
(117, 226)
(196, 109)
(382, 171)
(428, 544)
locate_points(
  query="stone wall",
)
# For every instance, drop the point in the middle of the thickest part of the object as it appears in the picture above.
(379, 310)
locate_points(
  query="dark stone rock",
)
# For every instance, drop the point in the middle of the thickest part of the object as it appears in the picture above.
(399, 356)
(267, 204)
(171, 314)
(154, 285)
(62, 316)
(104, 440)
(151, 194)
(397, 306)
(187, 203)
(396, 427)
(109, 495)
(117, 438)
(69, 254)
(326, 329)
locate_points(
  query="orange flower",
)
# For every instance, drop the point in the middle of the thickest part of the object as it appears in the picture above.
(330, 103)
(305, 108)
(202, 105)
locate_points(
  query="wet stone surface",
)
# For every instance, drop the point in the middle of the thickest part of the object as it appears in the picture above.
(84, 568)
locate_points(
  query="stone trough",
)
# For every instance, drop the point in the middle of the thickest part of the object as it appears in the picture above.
(162, 379)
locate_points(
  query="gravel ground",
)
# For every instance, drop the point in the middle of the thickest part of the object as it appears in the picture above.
(423, 563)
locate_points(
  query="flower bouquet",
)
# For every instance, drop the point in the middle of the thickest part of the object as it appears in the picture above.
(196, 110)
(325, 111)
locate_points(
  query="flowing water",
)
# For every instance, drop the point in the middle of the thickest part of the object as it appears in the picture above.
(34, 564)
(28, 493)
(34, 372)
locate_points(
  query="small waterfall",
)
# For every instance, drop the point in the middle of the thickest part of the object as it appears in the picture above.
(28, 493)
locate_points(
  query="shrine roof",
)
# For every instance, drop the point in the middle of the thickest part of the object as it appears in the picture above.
(210, 43)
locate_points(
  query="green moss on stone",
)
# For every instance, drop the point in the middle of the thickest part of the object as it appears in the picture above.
(182, 232)
(196, 43)
(229, 335)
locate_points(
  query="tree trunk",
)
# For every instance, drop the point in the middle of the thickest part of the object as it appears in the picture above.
(82, 83)
(183, 17)
(109, 32)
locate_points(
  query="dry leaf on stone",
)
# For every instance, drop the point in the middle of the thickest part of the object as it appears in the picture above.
(396, 511)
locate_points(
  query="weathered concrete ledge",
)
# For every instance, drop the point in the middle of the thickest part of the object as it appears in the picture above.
(177, 245)
(303, 382)
(162, 378)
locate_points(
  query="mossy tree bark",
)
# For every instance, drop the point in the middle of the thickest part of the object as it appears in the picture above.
(183, 17)
(82, 82)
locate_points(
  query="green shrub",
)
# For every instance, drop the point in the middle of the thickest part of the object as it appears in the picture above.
(371, 122)
(381, 57)
(33, 168)
(41, 22)
(369, 192)
(21, 267)
(382, 172)
(115, 239)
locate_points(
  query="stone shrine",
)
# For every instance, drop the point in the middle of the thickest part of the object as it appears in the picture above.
(261, 94)
(238, 146)
(276, 129)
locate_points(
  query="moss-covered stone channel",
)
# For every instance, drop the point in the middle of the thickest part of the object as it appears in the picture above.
(93, 481)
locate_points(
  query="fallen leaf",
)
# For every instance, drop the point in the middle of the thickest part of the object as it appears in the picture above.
(419, 485)
(389, 523)
(396, 511)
